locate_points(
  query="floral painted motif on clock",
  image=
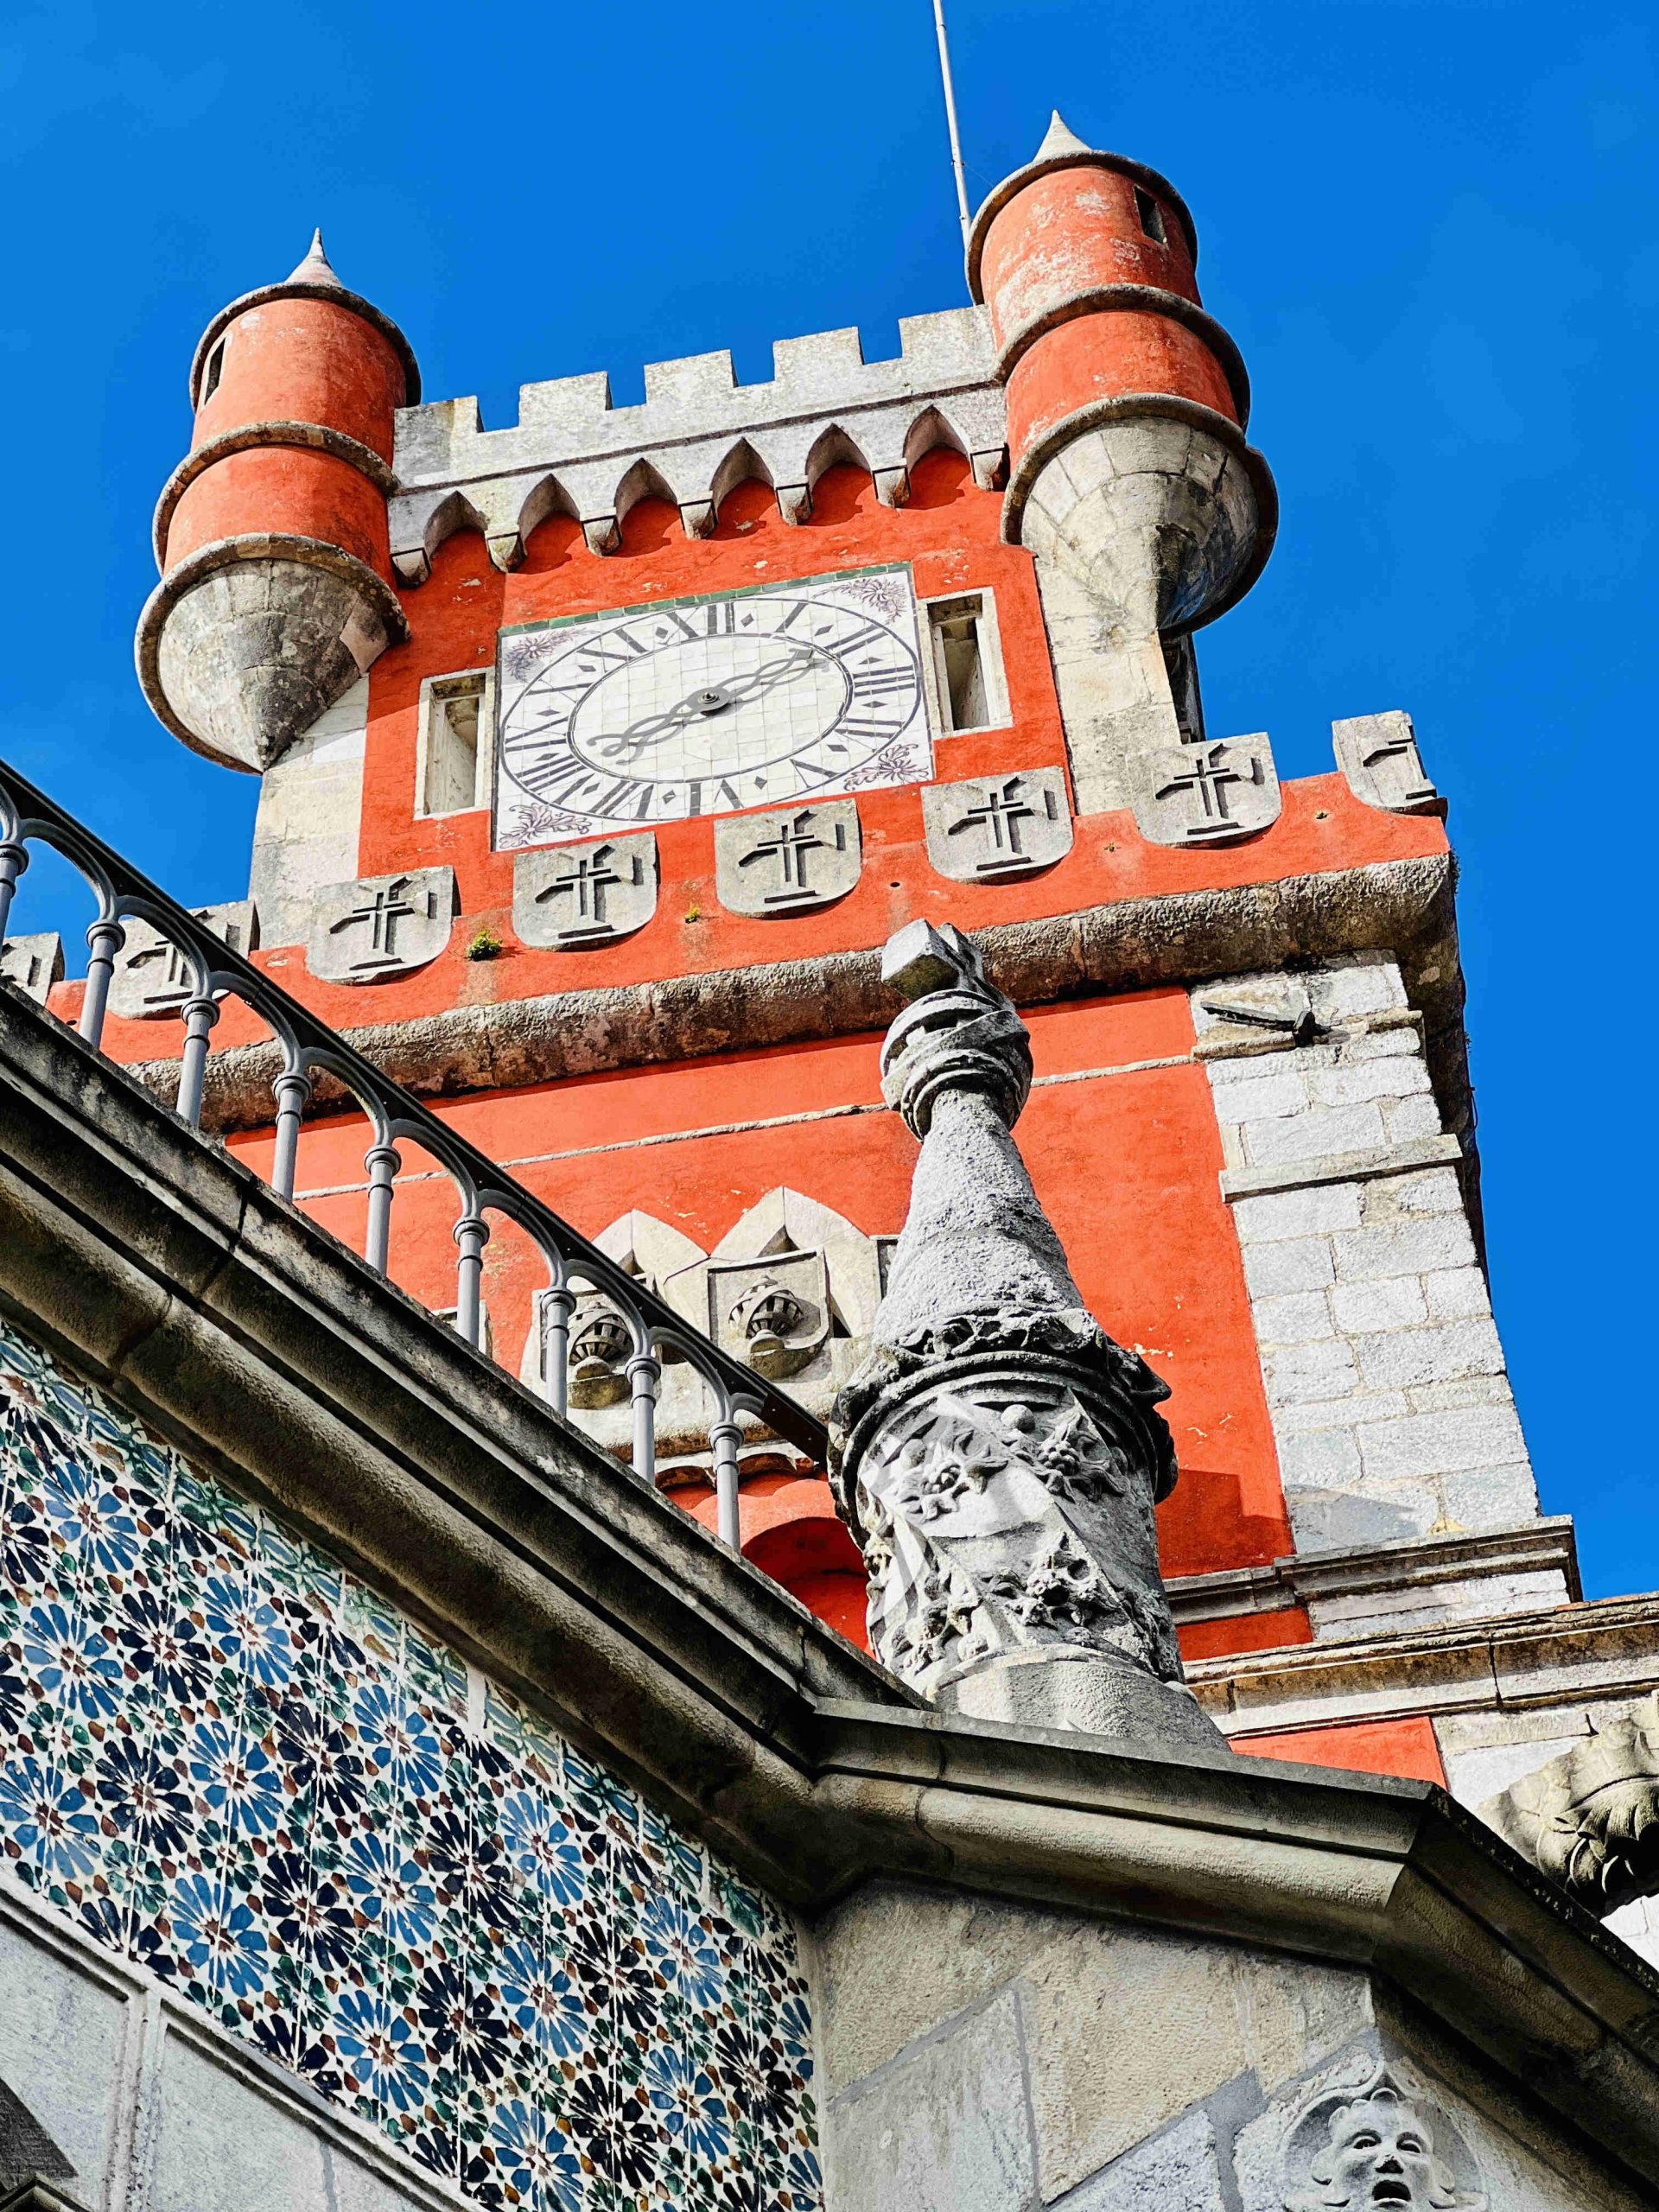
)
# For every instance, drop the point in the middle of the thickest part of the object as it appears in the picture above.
(709, 706)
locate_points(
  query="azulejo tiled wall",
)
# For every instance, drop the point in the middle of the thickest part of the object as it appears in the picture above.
(232, 1763)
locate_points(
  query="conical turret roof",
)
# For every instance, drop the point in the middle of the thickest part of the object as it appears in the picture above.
(315, 270)
(1059, 138)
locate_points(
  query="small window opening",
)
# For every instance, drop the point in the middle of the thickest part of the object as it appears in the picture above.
(960, 659)
(215, 364)
(1152, 216)
(454, 717)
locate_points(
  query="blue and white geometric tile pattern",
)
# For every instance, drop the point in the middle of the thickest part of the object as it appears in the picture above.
(229, 1761)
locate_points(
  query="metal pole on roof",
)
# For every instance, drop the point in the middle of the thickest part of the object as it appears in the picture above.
(950, 120)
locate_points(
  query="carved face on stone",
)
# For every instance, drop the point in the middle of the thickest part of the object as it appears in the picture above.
(1381, 2154)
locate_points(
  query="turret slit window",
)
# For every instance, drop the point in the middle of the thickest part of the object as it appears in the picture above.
(215, 365)
(966, 671)
(1152, 216)
(452, 771)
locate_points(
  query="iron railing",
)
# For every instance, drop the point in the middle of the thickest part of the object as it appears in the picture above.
(311, 1050)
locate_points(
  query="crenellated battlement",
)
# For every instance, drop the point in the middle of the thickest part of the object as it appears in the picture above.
(697, 433)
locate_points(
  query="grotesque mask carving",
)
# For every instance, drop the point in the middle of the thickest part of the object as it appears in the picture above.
(1372, 2148)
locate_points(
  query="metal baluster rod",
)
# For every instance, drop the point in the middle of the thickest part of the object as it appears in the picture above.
(644, 1372)
(472, 1234)
(557, 1305)
(198, 1017)
(103, 940)
(382, 1161)
(293, 1088)
(14, 859)
(727, 1521)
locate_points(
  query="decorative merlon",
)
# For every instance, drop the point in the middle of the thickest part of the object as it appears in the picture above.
(997, 1456)
(698, 432)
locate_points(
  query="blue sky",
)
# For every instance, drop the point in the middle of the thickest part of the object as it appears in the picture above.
(1430, 225)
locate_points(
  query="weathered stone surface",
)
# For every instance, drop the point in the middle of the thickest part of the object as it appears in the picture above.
(1209, 793)
(948, 2129)
(246, 644)
(32, 964)
(152, 978)
(1006, 826)
(997, 1456)
(1175, 2171)
(1379, 755)
(381, 925)
(575, 895)
(787, 863)
(309, 820)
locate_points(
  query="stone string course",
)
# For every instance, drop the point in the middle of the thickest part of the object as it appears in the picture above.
(698, 432)
(1390, 1403)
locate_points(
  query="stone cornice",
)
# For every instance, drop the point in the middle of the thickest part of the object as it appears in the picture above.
(1410, 1564)
(1608, 1649)
(208, 1307)
(1403, 906)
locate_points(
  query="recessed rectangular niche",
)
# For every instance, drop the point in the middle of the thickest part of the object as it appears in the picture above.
(455, 733)
(1152, 216)
(967, 683)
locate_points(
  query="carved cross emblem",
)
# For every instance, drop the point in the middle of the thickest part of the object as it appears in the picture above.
(381, 914)
(793, 841)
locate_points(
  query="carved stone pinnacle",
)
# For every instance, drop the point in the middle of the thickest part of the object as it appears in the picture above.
(997, 1456)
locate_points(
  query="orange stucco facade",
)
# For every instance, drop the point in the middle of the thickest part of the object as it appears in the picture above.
(1120, 1134)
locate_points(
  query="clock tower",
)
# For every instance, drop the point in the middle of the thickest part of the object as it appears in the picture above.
(602, 752)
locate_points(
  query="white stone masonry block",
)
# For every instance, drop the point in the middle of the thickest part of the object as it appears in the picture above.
(1365, 1405)
(1403, 1075)
(1441, 1353)
(1324, 1458)
(1396, 1303)
(1267, 1097)
(1394, 1197)
(1442, 1444)
(1491, 1497)
(1308, 1374)
(1298, 1320)
(1315, 1135)
(1345, 993)
(1411, 1117)
(1456, 1294)
(1315, 1212)
(1404, 1247)
(1279, 1270)
(1467, 1390)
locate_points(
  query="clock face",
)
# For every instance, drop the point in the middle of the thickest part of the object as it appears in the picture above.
(707, 706)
